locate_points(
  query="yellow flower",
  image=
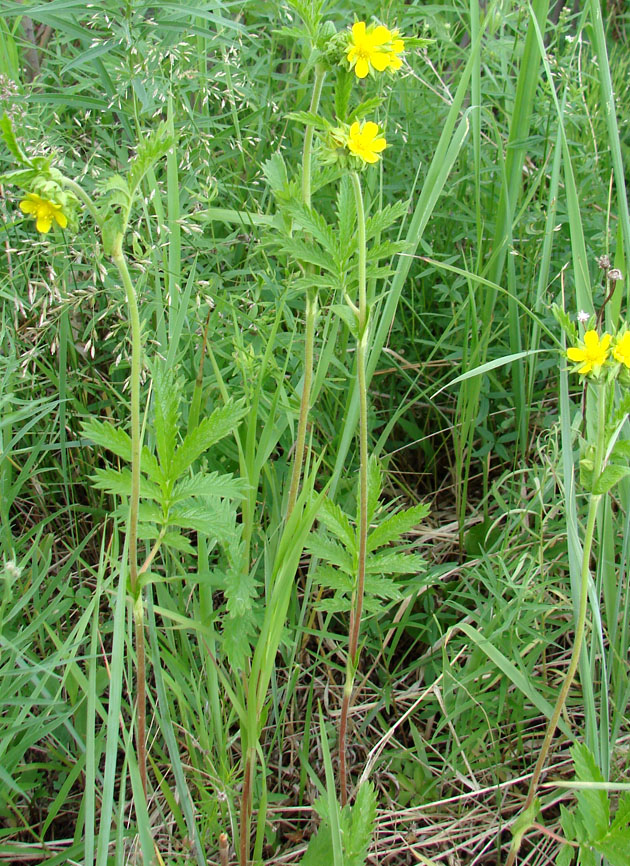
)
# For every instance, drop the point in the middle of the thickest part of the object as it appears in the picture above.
(43, 211)
(369, 47)
(592, 355)
(397, 47)
(363, 141)
(621, 350)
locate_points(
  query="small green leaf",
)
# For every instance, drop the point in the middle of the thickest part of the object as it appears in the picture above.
(148, 152)
(343, 91)
(6, 130)
(308, 118)
(236, 639)
(167, 390)
(211, 484)
(358, 830)
(222, 422)
(611, 475)
(275, 171)
(329, 551)
(336, 521)
(239, 589)
(107, 436)
(348, 316)
(615, 847)
(593, 804)
(365, 109)
(394, 526)
(118, 483)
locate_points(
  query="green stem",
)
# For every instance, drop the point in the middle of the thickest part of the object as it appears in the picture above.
(357, 610)
(311, 308)
(580, 627)
(84, 197)
(132, 534)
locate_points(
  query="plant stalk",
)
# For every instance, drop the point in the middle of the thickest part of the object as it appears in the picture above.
(136, 591)
(311, 307)
(357, 609)
(580, 625)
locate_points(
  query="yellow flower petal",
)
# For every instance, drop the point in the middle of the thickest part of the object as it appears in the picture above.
(44, 222)
(362, 68)
(27, 206)
(575, 354)
(380, 61)
(358, 30)
(381, 35)
(61, 219)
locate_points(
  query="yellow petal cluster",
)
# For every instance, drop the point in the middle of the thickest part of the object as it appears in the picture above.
(621, 350)
(365, 141)
(375, 47)
(44, 212)
(592, 354)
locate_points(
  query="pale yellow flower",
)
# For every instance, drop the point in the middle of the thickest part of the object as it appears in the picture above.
(44, 212)
(364, 141)
(592, 354)
(621, 350)
(369, 48)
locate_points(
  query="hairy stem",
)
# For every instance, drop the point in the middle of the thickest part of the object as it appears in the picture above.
(357, 609)
(311, 308)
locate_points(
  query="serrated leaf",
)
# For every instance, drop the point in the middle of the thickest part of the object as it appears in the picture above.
(107, 436)
(384, 218)
(211, 484)
(622, 815)
(6, 129)
(166, 417)
(359, 828)
(568, 823)
(148, 152)
(236, 639)
(239, 589)
(308, 118)
(319, 851)
(396, 525)
(348, 316)
(565, 323)
(336, 604)
(365, 109)
(395, 562)
(346, 216)
(612, 474)
(336, 521)
(386, 250)
(209, 521)
(118, 483)
(274, 170)
(593, 804)
(309, 253)
(314, 224)
(329, 551)
(343, 91)
(220, 423)
(615, 847)
(335, 579)
(565, 855)
(178, 542)
(382, 587)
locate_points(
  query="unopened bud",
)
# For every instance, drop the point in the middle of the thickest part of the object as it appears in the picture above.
(604, 262)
